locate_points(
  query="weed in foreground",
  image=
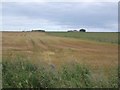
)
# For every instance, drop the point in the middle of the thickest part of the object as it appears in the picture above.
(23, 74)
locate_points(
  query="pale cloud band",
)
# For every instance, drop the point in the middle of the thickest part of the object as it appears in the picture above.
(94, 16)
(60, 0)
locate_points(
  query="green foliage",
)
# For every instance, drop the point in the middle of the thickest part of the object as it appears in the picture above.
(20, 73)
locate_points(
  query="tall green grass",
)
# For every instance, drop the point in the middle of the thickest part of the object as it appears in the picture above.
(20, 73)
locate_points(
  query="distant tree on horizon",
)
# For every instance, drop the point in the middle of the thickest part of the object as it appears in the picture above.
(38, 30)
(72, 31)
(82, 30)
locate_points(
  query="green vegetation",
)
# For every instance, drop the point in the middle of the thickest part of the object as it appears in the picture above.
(107, 37)
(21, 73)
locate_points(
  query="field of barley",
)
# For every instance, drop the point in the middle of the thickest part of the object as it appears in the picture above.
(60, 59)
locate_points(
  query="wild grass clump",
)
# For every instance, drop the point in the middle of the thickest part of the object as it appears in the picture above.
(110, 81)
(21, 73)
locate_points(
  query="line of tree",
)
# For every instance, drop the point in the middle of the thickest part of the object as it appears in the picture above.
(81, 30)
(38, 30)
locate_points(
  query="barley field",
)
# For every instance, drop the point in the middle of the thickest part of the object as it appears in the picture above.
(58, 60)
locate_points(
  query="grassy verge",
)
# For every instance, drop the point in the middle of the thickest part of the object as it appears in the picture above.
(21, 73)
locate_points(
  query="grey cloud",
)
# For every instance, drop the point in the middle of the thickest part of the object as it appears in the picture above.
(73, 15)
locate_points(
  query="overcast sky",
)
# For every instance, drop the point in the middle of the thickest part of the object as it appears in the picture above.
(61, 16)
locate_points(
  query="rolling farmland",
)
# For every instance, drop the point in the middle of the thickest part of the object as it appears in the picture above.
(96, 51)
